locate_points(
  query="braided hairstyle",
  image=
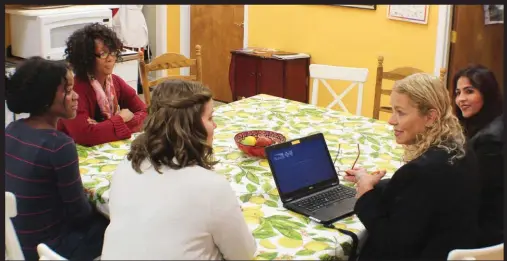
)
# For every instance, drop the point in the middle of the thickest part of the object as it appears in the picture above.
(174, 128)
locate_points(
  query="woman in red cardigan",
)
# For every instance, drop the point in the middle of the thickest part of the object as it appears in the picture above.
(109, 109)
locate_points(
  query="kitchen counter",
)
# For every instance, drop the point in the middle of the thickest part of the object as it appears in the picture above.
(11, 62)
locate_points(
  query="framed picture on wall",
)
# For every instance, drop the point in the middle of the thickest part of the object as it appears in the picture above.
(409, 13)
(493, 14)
(371, 7)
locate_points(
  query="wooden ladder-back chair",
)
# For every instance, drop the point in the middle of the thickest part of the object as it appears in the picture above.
(169, 61)
(393, 75)
(321, 73)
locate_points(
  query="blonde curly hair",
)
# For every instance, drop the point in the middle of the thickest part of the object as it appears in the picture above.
(427, 92)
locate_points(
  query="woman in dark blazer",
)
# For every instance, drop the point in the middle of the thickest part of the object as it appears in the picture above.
(429, 206)
(479, 109)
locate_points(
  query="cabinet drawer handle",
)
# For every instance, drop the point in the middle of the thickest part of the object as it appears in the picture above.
(252, 74)
(259, 74)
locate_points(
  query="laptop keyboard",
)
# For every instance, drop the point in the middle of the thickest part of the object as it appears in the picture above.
(326, 198)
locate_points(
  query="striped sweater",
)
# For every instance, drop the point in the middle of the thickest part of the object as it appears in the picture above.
(42, 170)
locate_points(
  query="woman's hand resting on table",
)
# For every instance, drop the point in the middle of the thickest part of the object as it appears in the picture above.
(364, 181)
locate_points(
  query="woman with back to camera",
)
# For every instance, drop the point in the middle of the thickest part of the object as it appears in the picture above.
(109, 109)
(181, 209)
(429, 206)
(41, 165)
(479, 109)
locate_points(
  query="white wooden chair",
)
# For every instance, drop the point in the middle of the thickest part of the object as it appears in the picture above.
(321, 73)
(487, 253)
(12, 248)
(46, 253)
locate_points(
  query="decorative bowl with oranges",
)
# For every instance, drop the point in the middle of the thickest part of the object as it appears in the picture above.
(253, 142)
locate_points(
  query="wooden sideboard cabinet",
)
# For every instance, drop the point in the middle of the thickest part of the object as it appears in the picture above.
(251, 74)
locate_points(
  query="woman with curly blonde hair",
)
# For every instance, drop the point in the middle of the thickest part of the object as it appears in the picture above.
(429, 207)
(166, 202)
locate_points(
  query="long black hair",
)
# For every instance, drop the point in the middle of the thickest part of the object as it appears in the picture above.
(485, 82)
(32, 88)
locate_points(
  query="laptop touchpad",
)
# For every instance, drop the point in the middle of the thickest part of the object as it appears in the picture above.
(337, 209)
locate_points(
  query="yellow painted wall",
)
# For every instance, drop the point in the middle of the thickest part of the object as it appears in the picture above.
(345, 36)
(333, 35)
(173, 33)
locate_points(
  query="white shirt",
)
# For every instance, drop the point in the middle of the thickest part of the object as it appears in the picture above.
(191, 213)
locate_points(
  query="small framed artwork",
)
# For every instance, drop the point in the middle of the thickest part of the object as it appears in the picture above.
(409, 13)
(371, 7)
(493, 14)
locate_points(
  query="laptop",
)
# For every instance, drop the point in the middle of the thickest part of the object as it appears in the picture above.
(307, 181)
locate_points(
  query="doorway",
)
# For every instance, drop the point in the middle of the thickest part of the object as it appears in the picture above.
(474, 42)
(218, 29)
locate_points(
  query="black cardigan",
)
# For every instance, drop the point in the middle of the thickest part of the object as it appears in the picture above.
(487, 144)
(427, 209)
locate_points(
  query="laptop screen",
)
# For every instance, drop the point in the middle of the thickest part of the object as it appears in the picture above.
(302, 164)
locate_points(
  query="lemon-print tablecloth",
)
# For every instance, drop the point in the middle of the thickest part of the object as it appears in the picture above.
(280, 234)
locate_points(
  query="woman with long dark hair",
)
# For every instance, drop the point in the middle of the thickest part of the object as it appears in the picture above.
(479, 107)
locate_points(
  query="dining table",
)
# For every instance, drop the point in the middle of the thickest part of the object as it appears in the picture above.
(280, 234)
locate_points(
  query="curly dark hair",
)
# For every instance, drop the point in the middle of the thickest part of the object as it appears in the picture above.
(80, 51)
(33, 86)
(485, 82)
(174, 128)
